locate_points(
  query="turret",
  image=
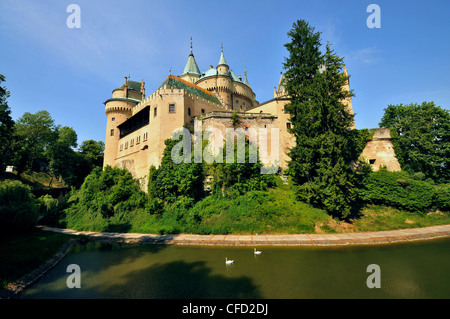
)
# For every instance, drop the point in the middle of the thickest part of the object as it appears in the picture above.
(191, 72)
(280, 91)
(118, 109)
(222, 67)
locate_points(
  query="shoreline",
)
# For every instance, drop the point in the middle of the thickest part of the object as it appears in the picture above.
(341, 239)
(14, 288)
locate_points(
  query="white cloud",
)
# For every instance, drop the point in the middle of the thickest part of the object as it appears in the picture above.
(364, 56)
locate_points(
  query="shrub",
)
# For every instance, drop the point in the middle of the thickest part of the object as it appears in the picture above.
(105, 194)
(48, 210)
(19, 208)
(171, 180)
(442, 197)
(398, 190)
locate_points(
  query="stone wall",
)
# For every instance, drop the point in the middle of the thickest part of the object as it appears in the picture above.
(380, 152)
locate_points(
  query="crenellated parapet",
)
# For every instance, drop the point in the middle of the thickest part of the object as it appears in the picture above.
(118, 109)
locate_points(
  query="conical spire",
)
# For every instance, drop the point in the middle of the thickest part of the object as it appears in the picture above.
(245, 76)
(191, 65)
(222, 58)
(280, 88)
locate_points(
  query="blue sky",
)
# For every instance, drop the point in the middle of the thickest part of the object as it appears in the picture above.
(71, 72)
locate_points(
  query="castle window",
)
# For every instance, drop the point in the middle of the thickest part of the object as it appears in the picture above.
(288, 125)
(145, 136)
(121, 147)
(132, 142)
(372, 161)
(155, 112)
(203, 111)
(171, 108)
(189, 111)
(113, 119)
(237, 101)
(138, 139)
(112, 132)
(126, 145)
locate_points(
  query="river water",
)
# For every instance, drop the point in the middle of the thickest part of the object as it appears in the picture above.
(113, 270)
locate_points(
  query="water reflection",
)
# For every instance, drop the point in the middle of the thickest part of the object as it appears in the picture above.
(111, 270)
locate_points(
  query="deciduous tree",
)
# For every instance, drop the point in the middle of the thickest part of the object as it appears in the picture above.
(421, 138)
(6, 127)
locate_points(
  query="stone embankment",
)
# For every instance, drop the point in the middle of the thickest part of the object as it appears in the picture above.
(381, 237)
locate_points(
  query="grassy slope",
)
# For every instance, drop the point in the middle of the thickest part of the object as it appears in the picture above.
(37, 180)
(272, 212)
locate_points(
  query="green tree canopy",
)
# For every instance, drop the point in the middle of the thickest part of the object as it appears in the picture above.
(421, 138)
(35, 133)
(172, 180)
(6, 126)
(61, 155)
(93, 152)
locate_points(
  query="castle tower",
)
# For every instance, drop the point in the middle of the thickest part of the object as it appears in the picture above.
(191, 72)
(224, 81)
(118, 109)
(348, 101)
(232, 91)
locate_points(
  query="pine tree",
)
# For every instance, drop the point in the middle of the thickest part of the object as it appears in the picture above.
(321, 160)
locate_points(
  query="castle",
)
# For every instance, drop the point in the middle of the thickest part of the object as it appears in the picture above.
(138, 125)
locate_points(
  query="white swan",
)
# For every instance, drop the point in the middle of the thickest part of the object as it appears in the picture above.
(256, 252)
(228, 261)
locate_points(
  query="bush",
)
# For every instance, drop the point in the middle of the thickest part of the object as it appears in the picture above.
(48, 210)
(398, 189)
(19, 209)
(442, 197)
(171, 180)
(108, 195)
